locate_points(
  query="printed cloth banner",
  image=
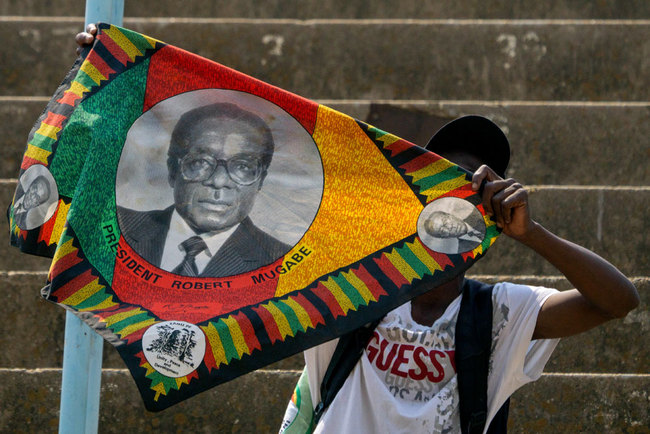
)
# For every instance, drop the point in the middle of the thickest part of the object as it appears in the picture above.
(208, 224)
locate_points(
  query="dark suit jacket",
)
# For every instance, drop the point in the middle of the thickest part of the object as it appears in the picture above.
(247, 249)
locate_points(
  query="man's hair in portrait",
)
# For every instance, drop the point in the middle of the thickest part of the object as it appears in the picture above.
(185, 128)
(41, 187)
(436, 227)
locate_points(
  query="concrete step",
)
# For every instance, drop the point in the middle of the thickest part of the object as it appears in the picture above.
(551, 143)
(399, 59)
(256, 403)
(608, 220)
(582, 404)
(31, 331)
(305, 9)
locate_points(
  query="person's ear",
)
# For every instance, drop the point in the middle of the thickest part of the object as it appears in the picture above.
(262, 177)
(171, 173)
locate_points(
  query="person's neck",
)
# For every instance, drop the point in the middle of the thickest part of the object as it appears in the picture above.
(428, 307)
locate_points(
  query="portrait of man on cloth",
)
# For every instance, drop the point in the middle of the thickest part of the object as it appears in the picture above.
(217, 161)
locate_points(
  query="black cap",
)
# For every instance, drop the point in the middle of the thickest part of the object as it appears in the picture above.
(476, 135)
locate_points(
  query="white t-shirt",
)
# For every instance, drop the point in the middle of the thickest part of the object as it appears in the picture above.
(406, 382)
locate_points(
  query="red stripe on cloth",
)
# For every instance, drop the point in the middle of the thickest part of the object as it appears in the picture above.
(468, 255)
(442, 259)
(68, 98)
(142, 358)
(389, 270)
(191, 376)
(115, 50)
(398, 147)
(28, 162)
(45, 234)
(328, 298)
(248, 331)
(460, 192)
(420, 161)
(62, 264)
(208, 358)
(314, 315)
(136, 335)
(173, 71)
(99, 64)
(375, 288)
(116, 310)
(73, 285)
(54, 119)
(269, 324)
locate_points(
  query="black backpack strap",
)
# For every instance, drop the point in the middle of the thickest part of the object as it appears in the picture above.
(473, 346)
(346, 355)
(499, 422)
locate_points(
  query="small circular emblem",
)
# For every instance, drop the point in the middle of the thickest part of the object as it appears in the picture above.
(451, 225)
(174, 348)
(36, 198)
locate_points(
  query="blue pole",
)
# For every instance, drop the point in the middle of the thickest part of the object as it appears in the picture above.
(106, 11)
(82, 349)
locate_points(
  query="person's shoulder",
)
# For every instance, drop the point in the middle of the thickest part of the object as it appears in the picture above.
(511, 294)
(130, 219)
(265, 241)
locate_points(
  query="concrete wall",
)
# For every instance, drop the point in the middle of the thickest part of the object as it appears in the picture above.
(568, 81)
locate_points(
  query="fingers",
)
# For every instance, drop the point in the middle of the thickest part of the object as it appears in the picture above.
(501, 198)
(84, 39)
(482, 174)
(507, 200)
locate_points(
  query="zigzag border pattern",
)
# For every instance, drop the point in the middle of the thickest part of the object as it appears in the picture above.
(232, 337)
(116, 45)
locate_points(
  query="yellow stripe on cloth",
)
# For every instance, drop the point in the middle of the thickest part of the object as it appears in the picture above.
(64, 250)
(59, 223)
(402, 266)
(48, 130)
(301, 313)
(280, 320)
(148, 367)
(103, 305)
(218, 352)
(160, 390)
(359, 286)
(78, 89)
(180, 381)
(339, 295)
(38, 154)
(112, 319)
(82, 294)
(237, 336)
(92, 72)
(430, 170)
(124, 42)
(135, 327)
(444, 187)
(418, 250)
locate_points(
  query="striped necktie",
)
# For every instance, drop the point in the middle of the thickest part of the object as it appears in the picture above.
(192, 247)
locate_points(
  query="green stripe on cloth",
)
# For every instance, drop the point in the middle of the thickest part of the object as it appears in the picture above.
(418, 266)
(291, 317)
(445, 175)
(349, 290)
(226, 341)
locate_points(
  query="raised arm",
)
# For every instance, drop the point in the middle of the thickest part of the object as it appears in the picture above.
(602, 292)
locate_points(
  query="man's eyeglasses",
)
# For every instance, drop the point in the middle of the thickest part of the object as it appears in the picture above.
(201, 167)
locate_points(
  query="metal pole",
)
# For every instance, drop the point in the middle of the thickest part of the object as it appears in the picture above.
(82, 350)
